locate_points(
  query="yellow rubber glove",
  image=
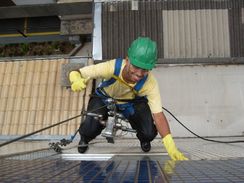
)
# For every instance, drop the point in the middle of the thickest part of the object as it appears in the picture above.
(169, 167)
(172, 150)
(77, 82)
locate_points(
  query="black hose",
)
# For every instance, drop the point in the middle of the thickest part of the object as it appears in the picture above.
(32, 133)
(226, 142)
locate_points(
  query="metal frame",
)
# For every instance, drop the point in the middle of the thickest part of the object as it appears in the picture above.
(97, 32)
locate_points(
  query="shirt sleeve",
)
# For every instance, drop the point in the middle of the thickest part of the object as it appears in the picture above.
(102, 70)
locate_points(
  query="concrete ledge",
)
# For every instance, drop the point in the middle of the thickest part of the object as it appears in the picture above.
(66, 69)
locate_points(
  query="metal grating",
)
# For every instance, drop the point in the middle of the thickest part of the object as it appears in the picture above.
(182, 29)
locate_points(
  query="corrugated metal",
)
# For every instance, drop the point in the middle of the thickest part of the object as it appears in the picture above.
(31, 98)
(236, 28)
(196, 33)
(182, 29)
(122, 23)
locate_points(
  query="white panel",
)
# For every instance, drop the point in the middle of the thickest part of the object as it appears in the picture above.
(166, 34)
(225, 32)
(216, 41)
(203, 41)
(187, 35)
(97, 33)
(199, 34)
(134, 5)
(182, 34)
(207, 99)
(209, 33)
(242, 15)
(196, 33)
(175, 28)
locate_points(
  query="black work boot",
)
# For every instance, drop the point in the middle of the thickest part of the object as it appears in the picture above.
(83, 145)
(146, 146)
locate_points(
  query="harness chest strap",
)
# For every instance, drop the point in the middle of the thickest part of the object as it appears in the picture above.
(126, 108)
(121, 81)
(115, 77)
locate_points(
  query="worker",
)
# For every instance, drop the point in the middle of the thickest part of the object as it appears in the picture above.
(131, 79)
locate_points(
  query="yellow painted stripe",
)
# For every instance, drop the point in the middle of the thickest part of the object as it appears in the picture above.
(31, 34)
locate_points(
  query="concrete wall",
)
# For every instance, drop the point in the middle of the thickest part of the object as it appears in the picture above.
(207, 99)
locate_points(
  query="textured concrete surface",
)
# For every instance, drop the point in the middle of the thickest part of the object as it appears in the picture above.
(195, 149)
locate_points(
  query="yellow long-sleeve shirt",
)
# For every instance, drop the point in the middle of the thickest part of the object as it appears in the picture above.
(120, 90)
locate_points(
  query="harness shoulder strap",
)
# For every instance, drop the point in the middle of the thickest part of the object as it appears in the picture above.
(117, 68)
(140, 84)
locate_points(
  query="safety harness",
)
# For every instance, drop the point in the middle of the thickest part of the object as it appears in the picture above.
(126, 108)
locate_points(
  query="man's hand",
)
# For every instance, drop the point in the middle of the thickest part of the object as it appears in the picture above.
(172, 150)
(169, 167)
(77, 82)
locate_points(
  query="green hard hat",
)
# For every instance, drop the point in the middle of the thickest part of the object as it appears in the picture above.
(143, 53)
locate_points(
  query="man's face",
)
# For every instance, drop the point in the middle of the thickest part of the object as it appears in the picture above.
(135, 73)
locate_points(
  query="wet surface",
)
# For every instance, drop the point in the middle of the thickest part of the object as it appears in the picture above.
(123, 161)
(122, 169)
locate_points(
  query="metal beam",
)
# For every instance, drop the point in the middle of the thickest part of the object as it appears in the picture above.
(222, 60)
(46, 10)
(7, 3)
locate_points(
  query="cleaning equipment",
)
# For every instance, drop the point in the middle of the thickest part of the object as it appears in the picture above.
(143, 53)
(114, 121)
(112, 125)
